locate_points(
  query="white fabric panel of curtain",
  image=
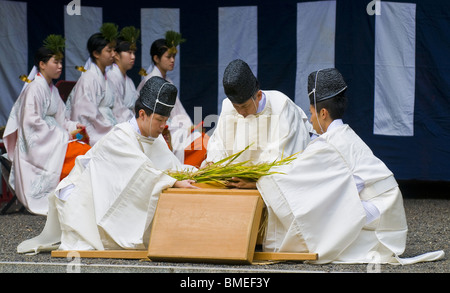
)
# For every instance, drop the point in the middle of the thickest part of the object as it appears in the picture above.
(395, 55)
(238, 39)
(316, 29)
(14, 52)
(77, 30)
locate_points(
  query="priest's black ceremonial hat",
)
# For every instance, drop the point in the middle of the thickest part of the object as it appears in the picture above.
(239, 82)
(325, 84)
(158, 95)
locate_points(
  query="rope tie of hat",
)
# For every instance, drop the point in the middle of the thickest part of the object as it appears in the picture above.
(158, 101)
(315, 102)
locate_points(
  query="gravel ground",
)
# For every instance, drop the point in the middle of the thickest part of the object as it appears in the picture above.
(428, 223)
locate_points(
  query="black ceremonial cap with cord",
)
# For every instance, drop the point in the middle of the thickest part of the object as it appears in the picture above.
(158, 95)
(325, 84)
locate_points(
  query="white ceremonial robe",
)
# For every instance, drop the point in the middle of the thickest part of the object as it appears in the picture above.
(315, 206)
(114, 192)
(36, 138)
(280, 129)
(179, 122)
(93, 103)
(123, 88)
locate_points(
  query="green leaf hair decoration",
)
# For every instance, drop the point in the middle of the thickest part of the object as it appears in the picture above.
(173, 39)
(131, 35)
(110, 31)
(56, 44)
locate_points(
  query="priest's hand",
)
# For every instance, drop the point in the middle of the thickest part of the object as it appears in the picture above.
(240, 183)
(185, 184)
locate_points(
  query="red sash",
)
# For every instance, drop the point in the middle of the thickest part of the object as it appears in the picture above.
(195, 153)
(74, 149)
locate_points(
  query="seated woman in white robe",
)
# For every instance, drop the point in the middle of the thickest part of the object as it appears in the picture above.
(91, 101)
(37, 132)
(109, 199)
(267, 120)
(336, 199)
(163, 53)
(119, 82)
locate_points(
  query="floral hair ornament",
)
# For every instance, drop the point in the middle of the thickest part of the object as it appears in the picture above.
(130, 34)
(56, 44)
(110, 32)
(142, 72)
(173, 39)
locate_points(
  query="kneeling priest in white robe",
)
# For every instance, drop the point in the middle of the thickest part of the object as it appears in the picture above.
(337, 198)
(269, 121)
(109, 199)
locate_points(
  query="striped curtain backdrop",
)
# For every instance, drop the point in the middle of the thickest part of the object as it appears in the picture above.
(393, 55)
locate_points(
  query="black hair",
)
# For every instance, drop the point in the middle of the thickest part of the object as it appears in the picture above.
(43, 54)
(123, 45)
(138, 106)
(335, 106)
(257, 88)
(158, 48)
(96, 43)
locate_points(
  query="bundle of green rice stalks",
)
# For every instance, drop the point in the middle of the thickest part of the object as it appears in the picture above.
(222, 171)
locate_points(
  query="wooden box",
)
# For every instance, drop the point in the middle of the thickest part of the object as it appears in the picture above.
(206, 225)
